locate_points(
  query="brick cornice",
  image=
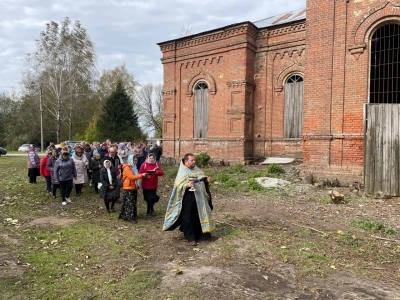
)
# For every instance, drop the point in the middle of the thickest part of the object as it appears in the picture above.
(213, 37)
(281, 54)
(202, 61)
(265, 33)
(239, 111)
(169, 115)
(169, 92)
(217, 36)
(241, 83)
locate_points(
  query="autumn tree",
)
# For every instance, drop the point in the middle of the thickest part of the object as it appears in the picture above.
(63, 67)
(109, 78)
(149, 107)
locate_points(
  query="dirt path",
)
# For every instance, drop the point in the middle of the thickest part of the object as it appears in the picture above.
(283, 244)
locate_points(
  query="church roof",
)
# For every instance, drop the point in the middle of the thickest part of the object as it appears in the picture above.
(292, 16)
(295, 15)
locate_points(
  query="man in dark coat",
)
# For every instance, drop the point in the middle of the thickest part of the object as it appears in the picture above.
(157, 151)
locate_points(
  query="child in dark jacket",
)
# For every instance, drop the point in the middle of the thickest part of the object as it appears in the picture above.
(95, 166)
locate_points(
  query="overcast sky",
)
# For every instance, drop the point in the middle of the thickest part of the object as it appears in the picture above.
(123, 31)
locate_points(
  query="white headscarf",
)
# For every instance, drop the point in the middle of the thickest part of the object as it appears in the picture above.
(108, 171)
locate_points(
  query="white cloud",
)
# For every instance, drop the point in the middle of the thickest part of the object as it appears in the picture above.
(123, 31)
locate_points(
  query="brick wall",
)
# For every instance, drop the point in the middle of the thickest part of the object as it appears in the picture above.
(246, 69)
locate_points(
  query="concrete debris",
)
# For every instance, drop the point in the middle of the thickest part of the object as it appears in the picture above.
(268, 182)
(277, 160)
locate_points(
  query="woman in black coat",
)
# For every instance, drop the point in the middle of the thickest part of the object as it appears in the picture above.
(109, 190)
(95, 166)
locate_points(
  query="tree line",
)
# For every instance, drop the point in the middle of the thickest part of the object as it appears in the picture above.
(61, 84)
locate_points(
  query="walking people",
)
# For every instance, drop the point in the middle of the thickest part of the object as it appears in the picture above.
(88, 151)
(51, 162)
(33, 164)
(189, 209)
(81, 165)
(131, 183)
(45, 172)
(109, 190)
(150, 184)
(65, 173)
(95, 166)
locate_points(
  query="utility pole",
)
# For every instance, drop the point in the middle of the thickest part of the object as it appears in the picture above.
(41, 120)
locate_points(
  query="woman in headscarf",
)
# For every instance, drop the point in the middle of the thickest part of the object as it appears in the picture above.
(150, 184)
(64, 174)
(109, 190)
(81, 165)
(33, 164)
(130, 185)
(123, 152)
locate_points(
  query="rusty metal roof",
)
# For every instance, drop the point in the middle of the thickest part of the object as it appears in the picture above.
(295, 15)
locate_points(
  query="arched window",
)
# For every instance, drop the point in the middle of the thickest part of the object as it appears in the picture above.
(385, 65)
(200, 110)
(293, 111)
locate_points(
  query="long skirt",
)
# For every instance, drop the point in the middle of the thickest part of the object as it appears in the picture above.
(129, 205)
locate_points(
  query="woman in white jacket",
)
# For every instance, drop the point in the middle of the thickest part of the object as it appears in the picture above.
(81, 165)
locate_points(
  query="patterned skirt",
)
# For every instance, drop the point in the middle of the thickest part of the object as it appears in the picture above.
(129, 205)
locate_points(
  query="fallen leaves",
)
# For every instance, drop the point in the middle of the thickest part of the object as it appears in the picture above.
(177, 271)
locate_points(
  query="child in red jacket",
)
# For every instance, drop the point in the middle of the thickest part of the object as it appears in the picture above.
(45, 172)
(150, 184)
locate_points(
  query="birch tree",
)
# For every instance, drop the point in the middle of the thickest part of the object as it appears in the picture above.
(149, 107)
(63, 66)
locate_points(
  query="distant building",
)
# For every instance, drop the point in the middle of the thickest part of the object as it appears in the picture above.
(321, 84)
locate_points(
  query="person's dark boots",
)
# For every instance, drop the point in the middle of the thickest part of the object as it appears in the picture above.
(153, 213)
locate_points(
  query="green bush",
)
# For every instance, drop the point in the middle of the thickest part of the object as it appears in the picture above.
(253, 185)
(231, 183)
(223, 177)
(238, 168)
(258, 174)
(372, 225)
(202, 159)
(275, 169)
(170, 172)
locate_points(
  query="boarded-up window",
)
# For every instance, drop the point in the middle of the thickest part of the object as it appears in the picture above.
(385, 65)
(200, 110)
(293, 113)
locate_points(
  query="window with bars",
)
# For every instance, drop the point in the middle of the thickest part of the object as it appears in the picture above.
(200, 113)
(385, 63)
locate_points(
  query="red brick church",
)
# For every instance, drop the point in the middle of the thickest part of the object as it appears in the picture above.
(321, 84)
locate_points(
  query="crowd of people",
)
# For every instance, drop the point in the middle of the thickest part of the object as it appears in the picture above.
(112, 167)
